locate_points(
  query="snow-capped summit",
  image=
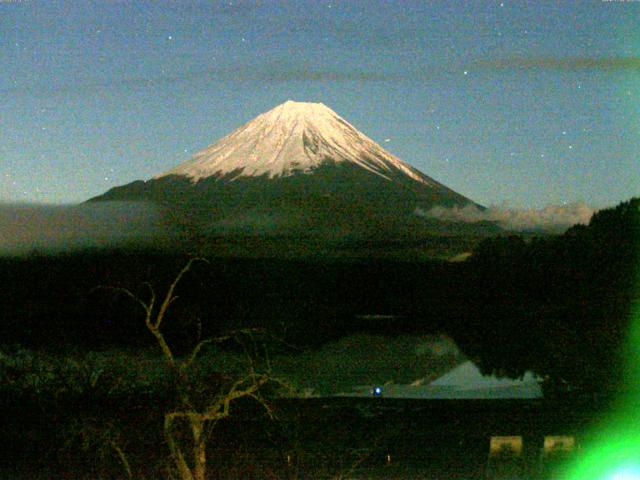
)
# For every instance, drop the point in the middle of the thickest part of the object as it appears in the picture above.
(294, 137)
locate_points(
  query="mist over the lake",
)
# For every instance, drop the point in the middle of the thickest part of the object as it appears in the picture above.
(53, 228)
(552, 218)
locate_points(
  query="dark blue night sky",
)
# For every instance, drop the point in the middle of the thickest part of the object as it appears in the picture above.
(526, 103)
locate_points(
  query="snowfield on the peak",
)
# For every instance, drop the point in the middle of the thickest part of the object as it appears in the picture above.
(294, 137)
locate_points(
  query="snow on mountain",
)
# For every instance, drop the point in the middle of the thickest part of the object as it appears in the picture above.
(294, 137)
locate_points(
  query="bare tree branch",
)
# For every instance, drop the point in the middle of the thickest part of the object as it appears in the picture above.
(169, 297)
(197, 419)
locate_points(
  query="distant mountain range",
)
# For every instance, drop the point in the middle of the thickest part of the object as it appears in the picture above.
(298, 169)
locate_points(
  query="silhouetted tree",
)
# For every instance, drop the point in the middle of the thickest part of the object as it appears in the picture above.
(197, 414)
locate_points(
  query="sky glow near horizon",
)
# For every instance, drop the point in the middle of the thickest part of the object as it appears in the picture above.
(526, 104)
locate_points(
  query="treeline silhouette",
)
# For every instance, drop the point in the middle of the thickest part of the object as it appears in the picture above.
(561, 307)
(558, 306)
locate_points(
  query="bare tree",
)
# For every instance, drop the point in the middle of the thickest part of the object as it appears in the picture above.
(198, 419)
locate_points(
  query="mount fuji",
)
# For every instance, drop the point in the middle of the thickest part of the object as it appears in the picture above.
(298, 169)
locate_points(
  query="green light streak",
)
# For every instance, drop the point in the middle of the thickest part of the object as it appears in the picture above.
(614, 456)
(612, 452)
